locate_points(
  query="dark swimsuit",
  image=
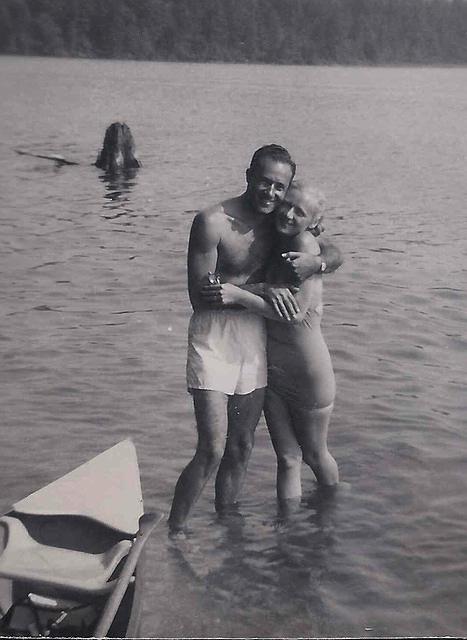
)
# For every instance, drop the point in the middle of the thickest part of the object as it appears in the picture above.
(299, 365)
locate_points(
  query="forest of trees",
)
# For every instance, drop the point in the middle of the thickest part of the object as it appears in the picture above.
(264, 31)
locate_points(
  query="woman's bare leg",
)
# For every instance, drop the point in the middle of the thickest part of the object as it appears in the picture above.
(311, 430)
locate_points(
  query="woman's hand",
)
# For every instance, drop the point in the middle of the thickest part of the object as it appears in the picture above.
(318, 228)
(282, 299)
(218, 296)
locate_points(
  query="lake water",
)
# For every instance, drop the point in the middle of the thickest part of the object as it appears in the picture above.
(94, 315)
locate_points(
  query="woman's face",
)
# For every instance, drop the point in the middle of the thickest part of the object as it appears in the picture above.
(295, 214)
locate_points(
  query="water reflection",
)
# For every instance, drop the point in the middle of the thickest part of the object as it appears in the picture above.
(276, 564)
(306, 540)
(118, 187)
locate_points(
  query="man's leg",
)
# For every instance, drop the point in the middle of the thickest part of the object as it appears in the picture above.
(244, 412)
(211, 422)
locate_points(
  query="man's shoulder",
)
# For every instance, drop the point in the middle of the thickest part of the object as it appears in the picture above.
(209, 223)
(218, 214)
(212, 213)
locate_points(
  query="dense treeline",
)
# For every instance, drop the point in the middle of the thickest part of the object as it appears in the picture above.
(277, 31)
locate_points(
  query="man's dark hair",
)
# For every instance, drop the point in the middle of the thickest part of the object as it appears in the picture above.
(275, 152)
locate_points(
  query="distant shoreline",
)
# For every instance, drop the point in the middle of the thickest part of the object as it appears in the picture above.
(282, 32)
(388, 65)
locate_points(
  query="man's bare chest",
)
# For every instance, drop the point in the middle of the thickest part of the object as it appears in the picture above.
(242, 250)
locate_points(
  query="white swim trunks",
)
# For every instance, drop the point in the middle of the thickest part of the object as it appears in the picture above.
(226, 351)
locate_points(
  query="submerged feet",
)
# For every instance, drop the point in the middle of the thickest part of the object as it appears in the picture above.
(176, 533)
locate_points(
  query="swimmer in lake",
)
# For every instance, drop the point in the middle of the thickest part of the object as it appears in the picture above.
(117, 153)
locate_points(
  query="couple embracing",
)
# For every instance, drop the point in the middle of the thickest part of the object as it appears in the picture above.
(255, 272)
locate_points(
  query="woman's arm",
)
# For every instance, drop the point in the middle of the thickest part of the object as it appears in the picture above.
(219, 296)
(305, 297)
(279, 295)
(280, 302)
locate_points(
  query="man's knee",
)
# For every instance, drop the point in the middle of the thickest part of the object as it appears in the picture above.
(245, 447)
(209, 455)
(239, 449)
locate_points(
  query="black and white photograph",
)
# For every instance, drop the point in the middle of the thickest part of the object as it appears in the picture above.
(233, 271)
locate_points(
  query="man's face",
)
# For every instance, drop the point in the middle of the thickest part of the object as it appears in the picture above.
(268, 184)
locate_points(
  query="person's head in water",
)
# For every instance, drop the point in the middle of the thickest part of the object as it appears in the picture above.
(118, 149)
(301, 210)
(268, 177)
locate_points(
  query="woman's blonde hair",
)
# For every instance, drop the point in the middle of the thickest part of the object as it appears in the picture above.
(314, 197)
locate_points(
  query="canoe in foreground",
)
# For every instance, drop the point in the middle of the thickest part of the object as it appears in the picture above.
(70, 553)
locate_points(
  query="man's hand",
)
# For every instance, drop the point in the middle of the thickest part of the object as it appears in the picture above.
(282, 299)
(305, 265)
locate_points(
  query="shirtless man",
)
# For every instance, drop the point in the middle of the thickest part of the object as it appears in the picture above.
(226, 366)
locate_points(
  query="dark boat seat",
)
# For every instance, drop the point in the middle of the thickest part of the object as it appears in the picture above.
(26, 559)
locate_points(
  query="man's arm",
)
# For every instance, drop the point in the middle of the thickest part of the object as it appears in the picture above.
(331, 255)
(202, 254)
(304, 265)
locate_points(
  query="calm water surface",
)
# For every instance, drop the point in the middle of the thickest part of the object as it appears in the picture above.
(94, 315)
